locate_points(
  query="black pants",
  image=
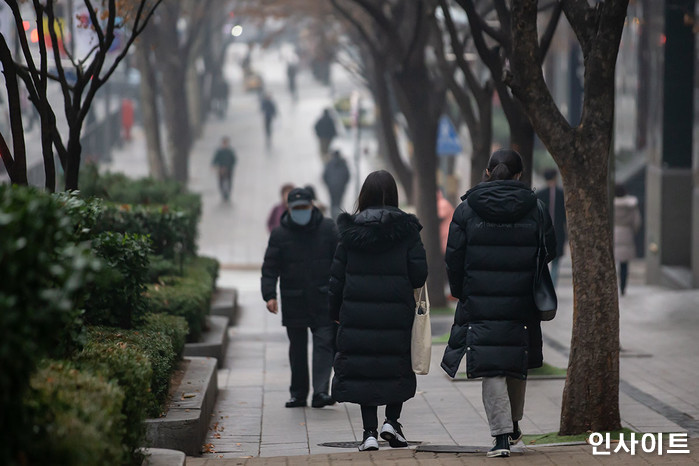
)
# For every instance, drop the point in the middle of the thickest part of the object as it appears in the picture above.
(370, 415)
(225, 183)
(323, 355)
(623, 276)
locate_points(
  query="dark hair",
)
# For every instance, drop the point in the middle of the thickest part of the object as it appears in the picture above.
(379, 189)
(550, 174)
(619, 190)
(504, 164)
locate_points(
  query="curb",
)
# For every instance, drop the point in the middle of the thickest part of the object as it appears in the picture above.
(186, 423)
(225, 303)
(214, 341)
(163, 457)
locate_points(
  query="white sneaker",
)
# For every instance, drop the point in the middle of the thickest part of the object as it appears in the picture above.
(369, 443)
(391, 432)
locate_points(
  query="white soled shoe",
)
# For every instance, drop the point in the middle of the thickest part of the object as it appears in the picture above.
(391, 432)
(369, 442)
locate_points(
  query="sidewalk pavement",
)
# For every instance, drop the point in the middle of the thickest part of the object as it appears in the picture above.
(658, 391)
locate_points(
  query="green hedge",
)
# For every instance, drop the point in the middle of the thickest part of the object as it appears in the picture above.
(116, 298)
(172, 232)
(42, 271)
(174, 327)
(130, 368)
(77, 418)
(188, 296)
(156, 346)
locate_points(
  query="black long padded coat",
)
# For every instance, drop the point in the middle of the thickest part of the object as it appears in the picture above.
(491, 257)
(378, 263)
(300, 256)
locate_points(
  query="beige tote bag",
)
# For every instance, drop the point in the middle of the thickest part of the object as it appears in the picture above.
(421, 341)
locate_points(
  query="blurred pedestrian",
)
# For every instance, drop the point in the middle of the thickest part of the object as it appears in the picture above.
(554, 202)
(220, 96)
(275, 215)
(299, 254)
(127, 118)
(444, 213)
(378, 263)
(322, 207)
(336, 175)
(326, 132)
(292, 66)
(224, 162)
(627, 221)
(491, 260)
(269, 111)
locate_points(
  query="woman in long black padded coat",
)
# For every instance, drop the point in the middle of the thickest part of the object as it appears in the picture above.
(491, 257)
(378, 263)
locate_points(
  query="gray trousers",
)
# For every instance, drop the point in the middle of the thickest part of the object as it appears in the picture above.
(503, 399)
(323, 355)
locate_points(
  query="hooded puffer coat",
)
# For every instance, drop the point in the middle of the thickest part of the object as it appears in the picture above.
(378, 263)
(491, 257)
(300, 256)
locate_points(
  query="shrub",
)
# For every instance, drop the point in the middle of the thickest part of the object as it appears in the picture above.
(42, 271)
(159, 266)
(130, 368)
(172, 232)
(157, 347)
(211, 265)
(116, 297)
(77, 417)
(188, 296)
(174, 327)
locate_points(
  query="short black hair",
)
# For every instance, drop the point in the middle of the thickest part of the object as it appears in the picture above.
(550, 174)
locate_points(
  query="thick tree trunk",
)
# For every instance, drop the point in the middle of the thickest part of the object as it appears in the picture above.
(72, 169)
(591, 403)
(479, 159)
(177, 121)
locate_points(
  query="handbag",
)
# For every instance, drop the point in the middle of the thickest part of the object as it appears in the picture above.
(544, 291)
(421, 338)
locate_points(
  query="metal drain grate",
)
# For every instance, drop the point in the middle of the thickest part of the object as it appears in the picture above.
(356, 444)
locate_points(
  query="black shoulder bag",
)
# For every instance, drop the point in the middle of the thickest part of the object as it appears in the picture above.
(544, 292)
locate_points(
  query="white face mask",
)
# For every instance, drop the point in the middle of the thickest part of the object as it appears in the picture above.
(301, 216)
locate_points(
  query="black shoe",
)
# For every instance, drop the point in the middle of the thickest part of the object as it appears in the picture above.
(369, 442)
(516, 434)
(322, 399)
(295, 402)
(391, 432)
(501, 448)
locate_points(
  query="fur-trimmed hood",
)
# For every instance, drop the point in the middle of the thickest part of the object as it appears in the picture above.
(376, 228)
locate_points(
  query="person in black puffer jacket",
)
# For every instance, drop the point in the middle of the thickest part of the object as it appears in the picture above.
(491, 257)
(300, 252)
(378, 263)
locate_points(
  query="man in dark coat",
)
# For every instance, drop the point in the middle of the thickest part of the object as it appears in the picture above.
(224, 162)
(326, 132)
(554, 202)
(299, 253)
(336, 176)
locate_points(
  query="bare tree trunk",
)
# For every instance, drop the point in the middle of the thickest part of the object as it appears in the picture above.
(590, 398)
(174, 93)
(421, 104)
(522, 140)
(381, 92)
(591, 393)
(149, 111)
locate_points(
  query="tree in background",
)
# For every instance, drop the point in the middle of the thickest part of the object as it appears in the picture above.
(79, 78)
(495, 47)
(400, 32)
(591, 393)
